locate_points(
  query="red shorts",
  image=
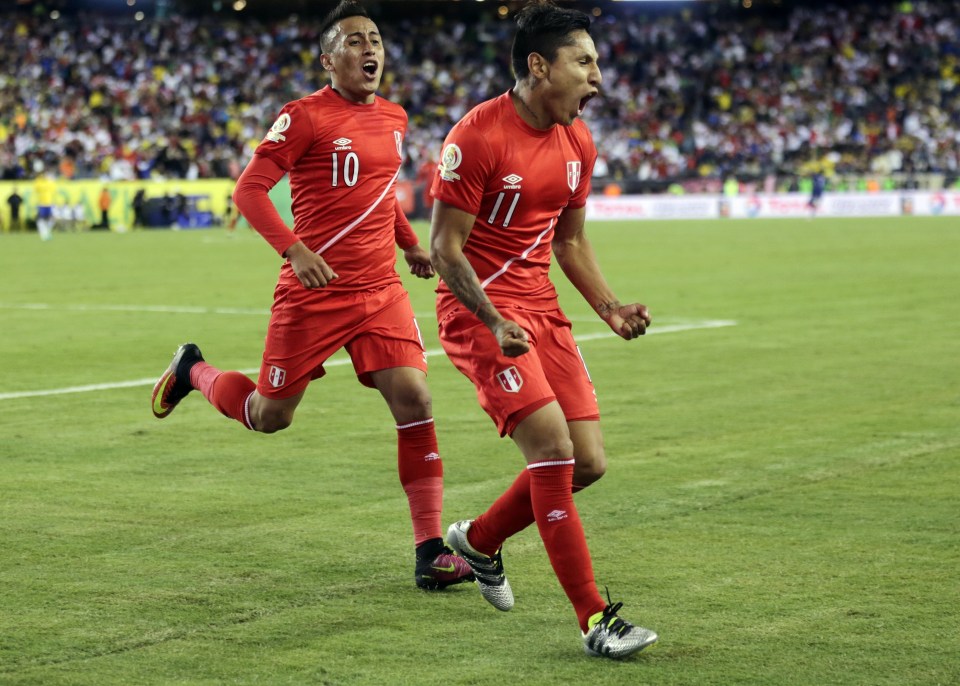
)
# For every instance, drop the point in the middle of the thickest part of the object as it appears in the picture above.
(377, 328)
(512, 388)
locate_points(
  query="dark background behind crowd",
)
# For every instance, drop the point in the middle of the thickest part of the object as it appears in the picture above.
(693, 93)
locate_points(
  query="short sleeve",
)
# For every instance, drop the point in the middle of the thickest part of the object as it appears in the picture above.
(290, 137)
(465, 166)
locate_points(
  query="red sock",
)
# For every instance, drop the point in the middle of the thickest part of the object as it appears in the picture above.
(562, 534)
(509, 514)
(229, 392)
(421, 475)
(202, 376)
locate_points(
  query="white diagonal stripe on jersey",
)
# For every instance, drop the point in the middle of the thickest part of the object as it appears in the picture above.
(352, 225)
(503, 270)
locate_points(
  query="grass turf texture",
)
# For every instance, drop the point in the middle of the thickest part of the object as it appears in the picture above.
(780, 504)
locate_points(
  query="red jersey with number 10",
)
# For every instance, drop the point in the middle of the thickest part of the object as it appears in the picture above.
(343, 160)
(517, 180)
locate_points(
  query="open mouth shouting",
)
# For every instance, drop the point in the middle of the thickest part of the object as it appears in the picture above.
(585, 99)
(370, 68)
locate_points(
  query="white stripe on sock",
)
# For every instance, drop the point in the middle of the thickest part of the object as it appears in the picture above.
(550, 463)
(246, 412)
(413, 424)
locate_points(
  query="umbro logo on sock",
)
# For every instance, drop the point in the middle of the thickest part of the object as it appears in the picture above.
(556, 515)
(430, 456)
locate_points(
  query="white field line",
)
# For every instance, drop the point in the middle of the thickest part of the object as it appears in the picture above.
(164, 309)
(339, 362)
(188, 309)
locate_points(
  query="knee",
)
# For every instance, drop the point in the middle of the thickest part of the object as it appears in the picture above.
(558, 448)
(413, 404)
(272, 421)
(589, 470)
(591, 460)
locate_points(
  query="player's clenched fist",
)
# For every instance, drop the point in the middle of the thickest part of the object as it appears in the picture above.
(311, 269)
(512, 338)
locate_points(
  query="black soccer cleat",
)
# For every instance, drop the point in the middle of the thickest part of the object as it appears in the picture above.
(175, 384)
(438, 567)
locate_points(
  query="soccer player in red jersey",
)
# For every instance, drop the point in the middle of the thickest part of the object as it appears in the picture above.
(512, 184)
(341, 147)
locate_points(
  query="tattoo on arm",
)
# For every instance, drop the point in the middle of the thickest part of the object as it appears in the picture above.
(605, 309)
(463, 283)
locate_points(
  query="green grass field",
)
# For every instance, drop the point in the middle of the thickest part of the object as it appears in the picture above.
(781, 505)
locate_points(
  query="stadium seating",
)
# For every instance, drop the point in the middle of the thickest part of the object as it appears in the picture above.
(691, 96)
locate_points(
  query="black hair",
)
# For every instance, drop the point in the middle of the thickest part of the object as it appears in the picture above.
(544, 28)
(345, 10)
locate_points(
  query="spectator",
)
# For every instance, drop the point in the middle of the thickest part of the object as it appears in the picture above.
(14, 200)
(104, 203)
(44, 191)
(139, 209)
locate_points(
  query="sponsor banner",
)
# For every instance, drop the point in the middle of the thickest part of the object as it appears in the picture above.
(209, 194)
(861, 205)
(938, 203)
(780, 205)
(212, 195)
(830, 205)
(653, 207)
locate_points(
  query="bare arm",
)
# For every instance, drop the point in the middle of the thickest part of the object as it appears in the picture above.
(449, 231)
(578, 261)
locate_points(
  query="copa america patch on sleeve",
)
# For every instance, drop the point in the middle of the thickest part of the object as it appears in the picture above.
(275, 133)
(451, 159)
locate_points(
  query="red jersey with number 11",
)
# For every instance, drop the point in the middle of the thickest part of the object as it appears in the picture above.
(343, 160)
(517, 180)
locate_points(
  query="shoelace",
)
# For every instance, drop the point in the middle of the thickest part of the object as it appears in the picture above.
(497, 560)
(619, 627)
(489, 567)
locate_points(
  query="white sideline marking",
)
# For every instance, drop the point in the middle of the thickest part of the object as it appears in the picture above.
(676, 328)
(189, 309)
(163, 309)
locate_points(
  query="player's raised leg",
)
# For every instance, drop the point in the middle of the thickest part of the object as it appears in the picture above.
(232, 393)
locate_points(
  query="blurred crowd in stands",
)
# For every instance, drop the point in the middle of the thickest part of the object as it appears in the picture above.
(691, 96)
